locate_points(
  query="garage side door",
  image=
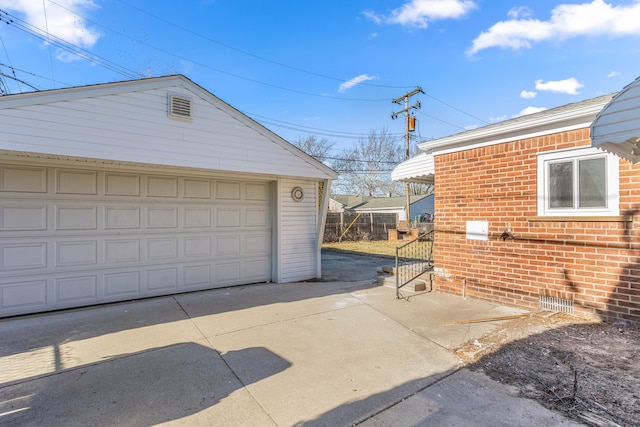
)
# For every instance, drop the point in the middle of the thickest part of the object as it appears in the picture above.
(71, 237)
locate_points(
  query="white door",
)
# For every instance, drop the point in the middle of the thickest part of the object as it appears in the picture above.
(72, 237)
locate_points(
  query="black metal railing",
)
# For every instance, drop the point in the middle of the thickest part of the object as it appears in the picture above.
(413, 259)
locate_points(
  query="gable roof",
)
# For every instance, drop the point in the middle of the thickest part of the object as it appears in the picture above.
(127, 122)
(566, 117)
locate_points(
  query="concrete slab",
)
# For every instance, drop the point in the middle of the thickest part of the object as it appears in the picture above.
(45, 344)
(183, 383)
(468, 398)
(336, 358)
(428, 314)
(245, 307)
(324, 353)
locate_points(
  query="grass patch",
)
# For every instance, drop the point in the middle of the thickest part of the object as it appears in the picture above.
(382, 248)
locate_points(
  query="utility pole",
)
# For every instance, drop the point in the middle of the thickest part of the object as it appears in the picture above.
(405, 111)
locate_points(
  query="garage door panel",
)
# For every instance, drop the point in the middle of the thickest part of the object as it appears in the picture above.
(162, 186)
(257, 191)
(197, 217)
(258, 243)
(162, 249)
(76, 217)
(27, 296)
(257, 270)
(118, 184)
(162, 217)
(227, 217)
(23, 179)
(23, 217)
(71, 238)
(122, 217)
(194, 188)
(121, 284)
(72, 253)
(197, 246)
(162, 279)
(227, 190)
(197, 275)
(83, 289)
(228, 272)
(76, 182)
(19, 256)
(121, 250)
(228, 245)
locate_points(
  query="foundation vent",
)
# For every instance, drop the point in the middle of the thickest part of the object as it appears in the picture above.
(556, 304)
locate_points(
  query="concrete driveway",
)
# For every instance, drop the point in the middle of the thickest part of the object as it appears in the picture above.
(332, 353)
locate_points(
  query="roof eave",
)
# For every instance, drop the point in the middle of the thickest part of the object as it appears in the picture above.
(568, 117)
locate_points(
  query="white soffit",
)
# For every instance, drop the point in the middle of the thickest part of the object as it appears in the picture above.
(617, 127)
(419, 169)
(560, 119)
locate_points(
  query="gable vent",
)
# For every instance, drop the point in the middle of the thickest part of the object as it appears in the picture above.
(179, 107)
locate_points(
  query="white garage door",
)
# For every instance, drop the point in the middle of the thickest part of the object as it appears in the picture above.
(71, 237)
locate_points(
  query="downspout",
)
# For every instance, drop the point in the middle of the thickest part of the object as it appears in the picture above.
(321, 222)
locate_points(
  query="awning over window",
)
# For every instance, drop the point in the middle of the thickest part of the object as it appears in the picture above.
(617, 127)
(419, 169)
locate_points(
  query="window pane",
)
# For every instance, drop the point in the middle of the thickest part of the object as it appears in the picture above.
(561, 185)
(592, 192)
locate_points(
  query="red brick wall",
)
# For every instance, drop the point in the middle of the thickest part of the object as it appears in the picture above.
(594, 263)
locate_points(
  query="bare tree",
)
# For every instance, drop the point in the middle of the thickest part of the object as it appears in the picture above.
(316, 147)
(366, 168)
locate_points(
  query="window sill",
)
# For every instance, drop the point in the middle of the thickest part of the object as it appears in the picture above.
(575, 218)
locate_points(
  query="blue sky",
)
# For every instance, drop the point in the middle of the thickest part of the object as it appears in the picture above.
(331, 68)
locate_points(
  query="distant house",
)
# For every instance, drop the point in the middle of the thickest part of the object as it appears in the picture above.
(529, 213)
(420, 205)
(149, 187)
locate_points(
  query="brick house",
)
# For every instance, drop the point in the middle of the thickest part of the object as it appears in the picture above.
(529, 213)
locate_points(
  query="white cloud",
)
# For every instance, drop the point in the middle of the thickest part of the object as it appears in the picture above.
(519, 12)
(529, 110)
(498, 119)
(568, 86)
(567, 21)
(613, 74)
(528, 94)
(59, 21)
(418, 13)
(353, 82)
(471, 127)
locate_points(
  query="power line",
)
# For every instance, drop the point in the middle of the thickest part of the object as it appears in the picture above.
(217, 69)
(80, 52)
(113, 66)
(456, 108)
(46, 23)
(316, 131)
(253, 55)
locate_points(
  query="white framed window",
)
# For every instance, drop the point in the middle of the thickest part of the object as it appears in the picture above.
(578, 182)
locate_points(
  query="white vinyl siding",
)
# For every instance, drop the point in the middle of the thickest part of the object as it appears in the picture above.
(134, 127)
(73, 237)
(298, 225)
(105, 197)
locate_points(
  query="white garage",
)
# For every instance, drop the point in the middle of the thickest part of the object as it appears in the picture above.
(106, 196)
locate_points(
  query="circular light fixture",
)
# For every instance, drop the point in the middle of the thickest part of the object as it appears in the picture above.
(297, 194)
